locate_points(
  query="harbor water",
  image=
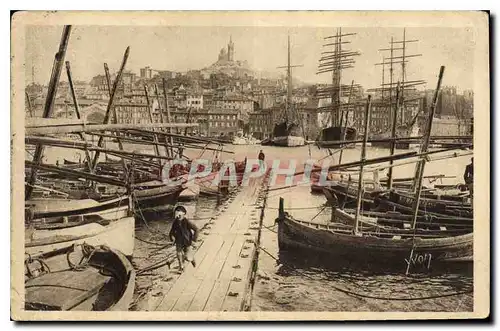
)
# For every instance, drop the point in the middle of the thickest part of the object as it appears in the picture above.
(290, 282)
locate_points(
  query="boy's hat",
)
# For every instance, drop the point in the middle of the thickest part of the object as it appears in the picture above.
(180, 208)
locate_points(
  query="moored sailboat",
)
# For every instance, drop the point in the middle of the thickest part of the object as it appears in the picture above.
(289, 132)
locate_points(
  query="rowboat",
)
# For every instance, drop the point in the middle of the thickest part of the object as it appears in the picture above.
(345, 194)
(51, 234)
(376, 197)
(373, 244)
(399, 200)
(146, 196)
(79, 278)
(317, 186)
(57, 207)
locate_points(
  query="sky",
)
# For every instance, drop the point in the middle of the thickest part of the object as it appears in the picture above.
(180, 48)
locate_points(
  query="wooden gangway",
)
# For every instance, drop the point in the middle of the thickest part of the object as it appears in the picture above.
(225, 256)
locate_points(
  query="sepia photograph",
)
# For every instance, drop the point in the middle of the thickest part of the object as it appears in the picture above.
(250, 165)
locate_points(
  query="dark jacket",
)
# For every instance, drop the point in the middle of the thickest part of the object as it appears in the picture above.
(183, 232)
(469, 174)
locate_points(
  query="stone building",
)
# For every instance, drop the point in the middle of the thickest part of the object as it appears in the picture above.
(146, 72)
(261, 123)
(450, 126)
(237, 102)
(194, 100)
(381, 115)
(227, 55)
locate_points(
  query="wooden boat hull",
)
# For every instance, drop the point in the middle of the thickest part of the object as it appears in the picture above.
(109, 209)
(266, 142)
(118, 234)
(332, 178)
(294, 234)
(289, 141)
(443, 207)
(335, 133)
(157, 196)
(191, 192)
(106, 283)
(341, 195)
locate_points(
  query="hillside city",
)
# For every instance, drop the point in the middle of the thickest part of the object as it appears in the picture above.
(228, 98)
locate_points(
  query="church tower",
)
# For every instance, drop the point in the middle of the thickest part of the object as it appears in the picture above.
(230, 49)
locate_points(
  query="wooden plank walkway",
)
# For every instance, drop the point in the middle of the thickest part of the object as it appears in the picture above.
(224, 259)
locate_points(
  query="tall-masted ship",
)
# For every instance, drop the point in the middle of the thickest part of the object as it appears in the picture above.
(289, 132)
(397, 96)
(336, 122)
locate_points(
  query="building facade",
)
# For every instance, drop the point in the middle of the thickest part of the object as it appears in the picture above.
(194, 100)
(146, 73)
(451, 126)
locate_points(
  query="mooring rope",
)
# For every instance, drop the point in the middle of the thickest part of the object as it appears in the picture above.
(150, 242)
(143, 218)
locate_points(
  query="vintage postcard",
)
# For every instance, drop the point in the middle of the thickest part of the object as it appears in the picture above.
(250, 165)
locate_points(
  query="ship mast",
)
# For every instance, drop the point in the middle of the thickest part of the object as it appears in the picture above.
(289, 90)
(335, 61)
(398, 55)
(289, 82)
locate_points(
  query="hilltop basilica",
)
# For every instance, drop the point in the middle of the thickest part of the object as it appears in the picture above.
(227, 55)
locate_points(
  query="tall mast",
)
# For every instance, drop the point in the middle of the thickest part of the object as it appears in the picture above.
(289, 90)
(425, 145)
(383, 80)
(363, 159)
(391, 75)
(334, 62)
(397, 58)
(28, 100)
(110, 107)
(289, 80)
(50, 101)
(403, 73)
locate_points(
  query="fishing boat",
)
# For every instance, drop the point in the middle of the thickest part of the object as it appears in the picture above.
(58, 207)
(44, 235)
(146, 196)
(79, 278)
(443, 205)
(332, 178)
(376, 197)
(345, 194)
(191, 192)
(373, 243)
